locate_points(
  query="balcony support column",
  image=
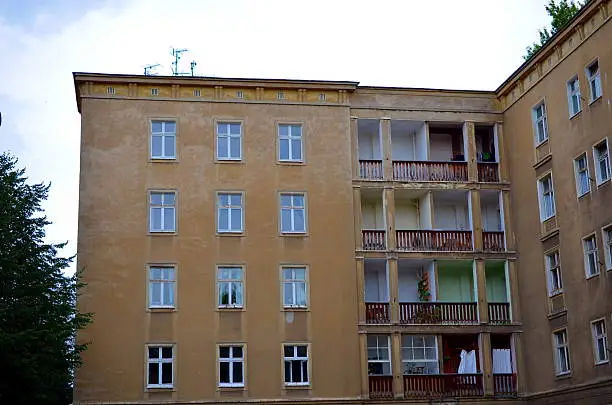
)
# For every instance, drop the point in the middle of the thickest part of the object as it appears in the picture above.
(476, 217)
(392, 273)
(469, 136)
(396, 364)
(354, 147)
(481, 290)
(357, 218)
(518, 366)
(360, 266)
(501, 151)
(389, 207)
(385, 133)
(363, 360)
(508, 232)
(486, 356)
(511, 276)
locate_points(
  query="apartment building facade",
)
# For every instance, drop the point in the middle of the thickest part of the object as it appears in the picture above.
(315, 241)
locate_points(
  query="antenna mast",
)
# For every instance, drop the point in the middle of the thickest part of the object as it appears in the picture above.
(177, 55)
(148, 70)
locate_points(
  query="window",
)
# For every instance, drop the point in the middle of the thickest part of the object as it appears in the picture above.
(239, 94)
(379, 357)
(159, 366)
(600, 341)
(229, 212)
(581, 169)
(154, 92)
(231, 366)
(163, 140)
(562, 361)
(230, 287)
(197, 93)
(607, 238)
(161, 287)
(553, 273)
(294, 287)
(601, 156)
(573, 96)
(280, 95)
(547, 197)
(322, 97)
(290, 143)
(293, 213)
(296, 364)
(162, 207)
(229, 141)
(110, 91)
(592, 73)
(539, 123)
(419, 354)
(591, 261)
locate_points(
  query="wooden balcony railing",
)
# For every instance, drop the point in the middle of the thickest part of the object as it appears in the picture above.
(370, 169)
(381, 386)
(499, 312)
(374, 239)
(429, 171)
(440, 241)
(377, 312)
(488, 172)
(438, 312)
(493, 241)
(442, 385)
(504, 385)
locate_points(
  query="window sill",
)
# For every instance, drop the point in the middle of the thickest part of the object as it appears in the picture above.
(563, 376)
(294, 234)
(231, 161)
(555, 293)
(589, 277)
(602, 363)
(575, 114)
(163, 160)
(231, 234)
(298, 386)
(603, 183)
(595, 100)
(240, 387)
(161, 309)
(296, 309)
(291, 162)
(162, 233)
(540, 143)
(160, 388)
(584, 194)
(230, 309)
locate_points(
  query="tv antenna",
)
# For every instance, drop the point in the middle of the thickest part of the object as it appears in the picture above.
(148, 70)
(193, 65)
(177, 56)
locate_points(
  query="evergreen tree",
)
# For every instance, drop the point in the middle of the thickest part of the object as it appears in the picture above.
(561, 14)
(38, 314)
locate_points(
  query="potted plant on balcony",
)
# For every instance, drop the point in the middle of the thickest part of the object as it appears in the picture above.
(426, 313)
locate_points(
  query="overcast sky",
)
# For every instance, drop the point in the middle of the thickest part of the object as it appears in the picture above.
(468, 44)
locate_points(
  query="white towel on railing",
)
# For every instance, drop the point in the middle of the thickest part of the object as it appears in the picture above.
(502, 361)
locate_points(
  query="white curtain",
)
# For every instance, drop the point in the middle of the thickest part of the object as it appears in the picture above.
(467, 365)
(502, 361)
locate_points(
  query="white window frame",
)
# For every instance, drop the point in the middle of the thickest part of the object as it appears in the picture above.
(600, 337)
(542, 197)
(598, 159)
(378, 347)
(293, 208)
(590, 255)
(292, 283)
(573, 93)
(226, 125)
(167, 281)
(234, 284)
(289, 138)
(230, 208)
(582, 175)
(159, 360)
(553, 272)
(305, 380)
(232, 361)
(163, 207)
(595, 89)
(606, 233)
(558, 347)
(163, 135)
(540, 138)
(406, 363)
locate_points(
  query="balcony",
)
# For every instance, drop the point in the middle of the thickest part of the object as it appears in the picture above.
(374, 239)
(370, 149)
(499, 312)
(486, 154)
(430, 171)
(504, 385)
(371, 169)
(493, 241)
(434, 240)
(381, 386)
(443, 385)
(488, 172)
(373, 220)
(377, 313)
(493, 238)
(376, 292)
(497, 292)
(438, 312)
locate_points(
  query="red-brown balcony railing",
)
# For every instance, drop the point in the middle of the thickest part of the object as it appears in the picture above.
(438, 312)
(493, 241)
(429, 171)
(371, 169)
(499, 312)
(488, 172)
(445, 241)
(377, 312)
(504, 385)
(373, 239)
(381, 386)
(442, 385)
